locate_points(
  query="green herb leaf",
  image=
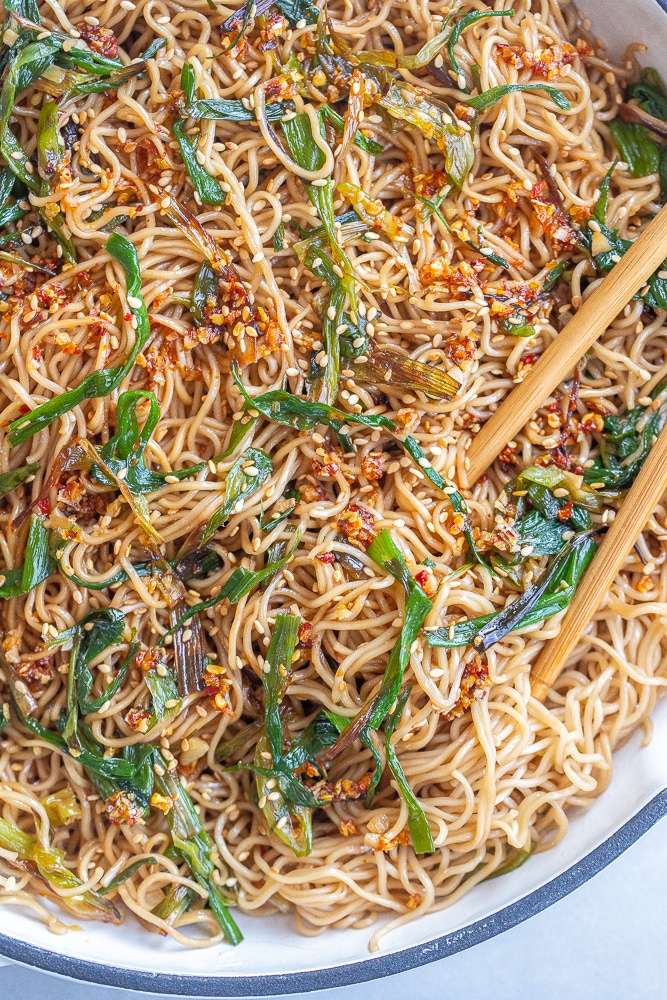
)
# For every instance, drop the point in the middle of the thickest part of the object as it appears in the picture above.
(614, 247)
(177, 900)
(279, 238)
(239, 485)
(188, 81)
(298, 10)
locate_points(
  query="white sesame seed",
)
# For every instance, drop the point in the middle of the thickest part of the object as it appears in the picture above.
(134, 302)
(258, 257)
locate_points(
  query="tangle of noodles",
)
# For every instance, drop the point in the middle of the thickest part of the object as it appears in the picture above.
(494, 773)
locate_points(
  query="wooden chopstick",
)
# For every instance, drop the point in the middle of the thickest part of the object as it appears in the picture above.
(626, 527)
(605, 303)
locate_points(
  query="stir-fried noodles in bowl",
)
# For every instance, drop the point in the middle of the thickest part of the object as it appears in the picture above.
(264, 273)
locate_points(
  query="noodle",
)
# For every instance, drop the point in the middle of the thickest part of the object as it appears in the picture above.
(493, 772)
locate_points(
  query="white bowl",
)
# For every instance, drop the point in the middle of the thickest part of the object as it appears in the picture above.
(274, 959)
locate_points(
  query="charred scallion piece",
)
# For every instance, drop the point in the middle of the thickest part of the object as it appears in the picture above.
(436, 121)
(47, 866)
(384, 551)
(488, 98)
(420, 832)
(241, 582)
(466, 22)
(605, 246)
(284, 408)
(39, 561)
(193, 844)
(207, 187)
(10, 480)
(99, 383)
(126, 874)
(551, 594)
(390, 369)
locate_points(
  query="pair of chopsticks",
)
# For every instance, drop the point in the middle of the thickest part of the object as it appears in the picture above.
(605, 303)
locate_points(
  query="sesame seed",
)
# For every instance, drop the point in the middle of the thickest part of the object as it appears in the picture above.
(187, 635)
(301, 23)
(200, 158)
(258, 257)
(165, 203)
(319, 183)
(133, 302)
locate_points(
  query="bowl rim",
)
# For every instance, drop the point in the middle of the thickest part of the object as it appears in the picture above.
(373, 967)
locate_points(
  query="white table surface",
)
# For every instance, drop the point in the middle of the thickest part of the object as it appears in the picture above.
(606, 941)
